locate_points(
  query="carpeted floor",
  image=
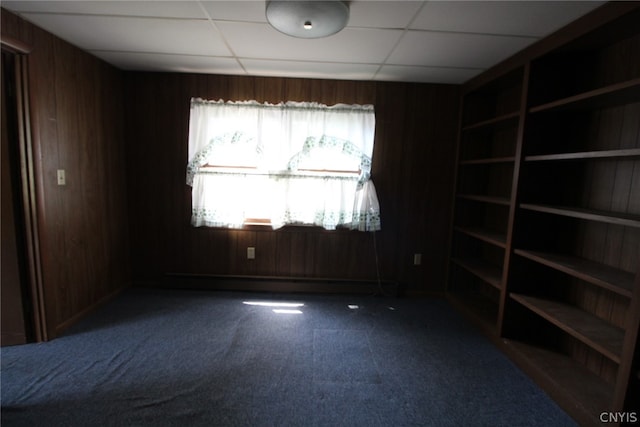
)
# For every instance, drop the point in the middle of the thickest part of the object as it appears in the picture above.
(189, 358)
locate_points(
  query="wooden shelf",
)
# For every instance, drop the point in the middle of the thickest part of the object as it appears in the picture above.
(496, 121)
(604, 154)
(482, 269)
(488, 161)
(566, 380)
(619, 93)
(588, 214)
(487, 199)
(594, 332)
(555, 128)
(490, 236)
(618, 281)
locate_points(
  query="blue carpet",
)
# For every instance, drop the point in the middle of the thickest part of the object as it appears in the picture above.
(177, 358)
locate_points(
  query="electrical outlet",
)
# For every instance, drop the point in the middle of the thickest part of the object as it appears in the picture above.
(251, 253)
(417, 259)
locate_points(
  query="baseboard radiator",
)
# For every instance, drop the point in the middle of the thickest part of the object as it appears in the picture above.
(280, 284)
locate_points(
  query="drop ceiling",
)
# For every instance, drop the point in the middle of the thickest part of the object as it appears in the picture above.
(411, 41)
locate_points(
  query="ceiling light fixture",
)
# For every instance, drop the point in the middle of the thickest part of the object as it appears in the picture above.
(308, 19)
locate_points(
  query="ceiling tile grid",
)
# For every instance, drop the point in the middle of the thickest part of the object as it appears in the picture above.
(398, 40)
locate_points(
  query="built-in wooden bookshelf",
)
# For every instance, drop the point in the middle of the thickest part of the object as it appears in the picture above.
(612, 279)
(484, 270)
(487, 157)
(549, 179)
(589, 214)
(493, 237)
(584, 326)
(621, 153)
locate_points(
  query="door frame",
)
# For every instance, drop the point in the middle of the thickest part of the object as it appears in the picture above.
(28, 188)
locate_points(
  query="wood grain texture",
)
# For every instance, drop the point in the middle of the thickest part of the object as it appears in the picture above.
(594, 113)
(412, 170)
(589, 329)
(77, 125)
(573, 291)
(81, 124)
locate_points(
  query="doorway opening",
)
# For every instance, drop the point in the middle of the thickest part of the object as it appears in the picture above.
(23, 314)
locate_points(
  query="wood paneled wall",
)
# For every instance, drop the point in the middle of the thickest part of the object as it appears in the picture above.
(77, 120)
(82, 123)
(413, 164)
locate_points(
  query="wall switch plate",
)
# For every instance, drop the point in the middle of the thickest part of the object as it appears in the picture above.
(251, 253)
(417, 259)
(62, 179)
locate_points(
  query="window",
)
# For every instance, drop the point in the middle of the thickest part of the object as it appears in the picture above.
(289, 163)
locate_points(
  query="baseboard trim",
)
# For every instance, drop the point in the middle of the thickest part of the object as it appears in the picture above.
(11, 338)
(77, 317)
(279, 284)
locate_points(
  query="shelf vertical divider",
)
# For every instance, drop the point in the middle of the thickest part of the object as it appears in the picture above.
(504, 291)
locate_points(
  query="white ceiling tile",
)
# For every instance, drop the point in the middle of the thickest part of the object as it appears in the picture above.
(455, 49)
(171, 63)
(358, 45)
(191, 37)
(526, 18)
(426, 74)
(245, 10)
(309, 70)
(382, 14)
(168, 9)
(448, 40)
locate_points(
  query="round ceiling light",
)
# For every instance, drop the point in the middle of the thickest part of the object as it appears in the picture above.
(308, 19)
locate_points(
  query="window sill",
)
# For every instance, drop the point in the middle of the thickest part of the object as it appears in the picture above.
(256, 226)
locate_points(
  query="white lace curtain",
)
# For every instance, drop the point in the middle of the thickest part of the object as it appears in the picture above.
(282, 162)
